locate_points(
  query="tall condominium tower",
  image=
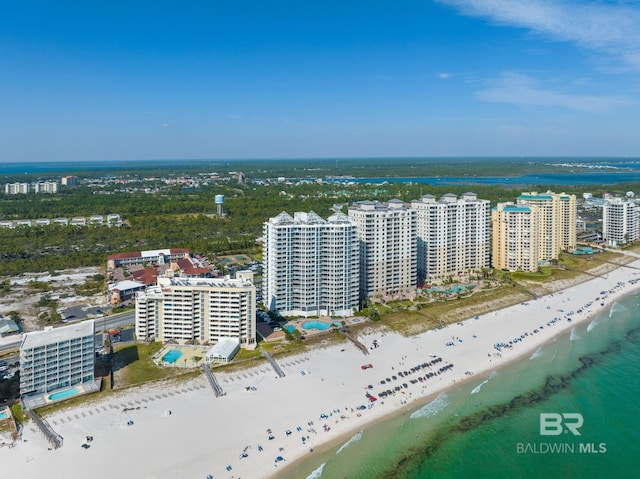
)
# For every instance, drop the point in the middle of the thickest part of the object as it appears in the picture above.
(201, 310)
(558, 214)
(452, 235)
(311, 265)
(516, 230)
(620, 221)
(387, 237)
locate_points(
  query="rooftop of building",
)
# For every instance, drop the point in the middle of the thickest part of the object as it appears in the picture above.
(8, 326)
(55, 335)
(225, 282)
(149, 253)
(311, 218)
(126, 285)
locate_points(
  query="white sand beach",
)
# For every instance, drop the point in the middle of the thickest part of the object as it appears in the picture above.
(181, 430)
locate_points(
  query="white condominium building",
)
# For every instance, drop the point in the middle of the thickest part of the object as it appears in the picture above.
(311, 265)
(200, 310)
(387, 237)
(46, 187)
(558, 214)
(16, 188)
(620, 221)
(452, 235)
(57, 358)
(516, 230)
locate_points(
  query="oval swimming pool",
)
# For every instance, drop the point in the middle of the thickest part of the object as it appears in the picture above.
(320, 325)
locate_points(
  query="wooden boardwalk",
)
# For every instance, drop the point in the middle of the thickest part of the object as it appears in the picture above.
(357, 343)
(53, 437)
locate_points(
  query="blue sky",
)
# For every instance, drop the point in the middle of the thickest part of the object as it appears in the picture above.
(276, 79)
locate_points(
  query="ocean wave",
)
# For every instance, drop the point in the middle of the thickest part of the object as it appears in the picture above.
(317, 473)
(433, 408)
(477, 389)
(617, 308)
(574, 335)
(537, 354)
(592, 325)
(355, 438)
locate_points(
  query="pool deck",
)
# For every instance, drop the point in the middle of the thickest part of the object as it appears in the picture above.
(38, 400)
(348, 321)
(187, 360)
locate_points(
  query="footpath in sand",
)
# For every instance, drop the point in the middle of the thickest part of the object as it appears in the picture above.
(263, 423)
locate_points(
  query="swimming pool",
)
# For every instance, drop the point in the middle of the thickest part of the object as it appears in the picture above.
(172, 356)
(67, 393)
(3, 415)
(320, 325)
(454, 289)
(290, 327)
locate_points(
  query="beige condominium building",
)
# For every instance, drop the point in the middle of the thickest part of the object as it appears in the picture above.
(516, 230)
(452, 235)
(311, 265)
(198, 310)
(387, 240)
(558, 215)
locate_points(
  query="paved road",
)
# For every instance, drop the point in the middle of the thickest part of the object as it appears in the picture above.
(108, 322)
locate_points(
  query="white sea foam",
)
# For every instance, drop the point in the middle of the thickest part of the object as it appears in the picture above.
(574, 335)
(592, 325)
(317, 473)
(616, 308)
(433, 408)
(537, 354)
(355, 438)
(477, 389)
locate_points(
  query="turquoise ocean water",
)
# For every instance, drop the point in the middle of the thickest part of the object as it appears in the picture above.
(490, 428)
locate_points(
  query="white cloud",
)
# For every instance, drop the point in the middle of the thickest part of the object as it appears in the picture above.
(611, 27)
(517, 89)
(444, 75)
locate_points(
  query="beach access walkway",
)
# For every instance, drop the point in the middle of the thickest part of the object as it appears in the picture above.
(275, 366)
(53, 437)
(357, 343)
(217, 389)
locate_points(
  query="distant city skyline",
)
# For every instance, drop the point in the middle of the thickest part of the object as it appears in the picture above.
(195, 80)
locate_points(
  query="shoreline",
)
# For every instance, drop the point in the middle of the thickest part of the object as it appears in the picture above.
(483, 374)
(183, 429)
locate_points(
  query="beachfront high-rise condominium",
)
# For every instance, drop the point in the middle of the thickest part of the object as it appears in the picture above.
(516, 230)
(311, 265)
(197, 310)
(620, 221)
(452, 235)
(387, 238)
(558, 214)
(57, 358)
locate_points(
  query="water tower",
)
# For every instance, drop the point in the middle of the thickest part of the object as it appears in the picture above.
(219, 201)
